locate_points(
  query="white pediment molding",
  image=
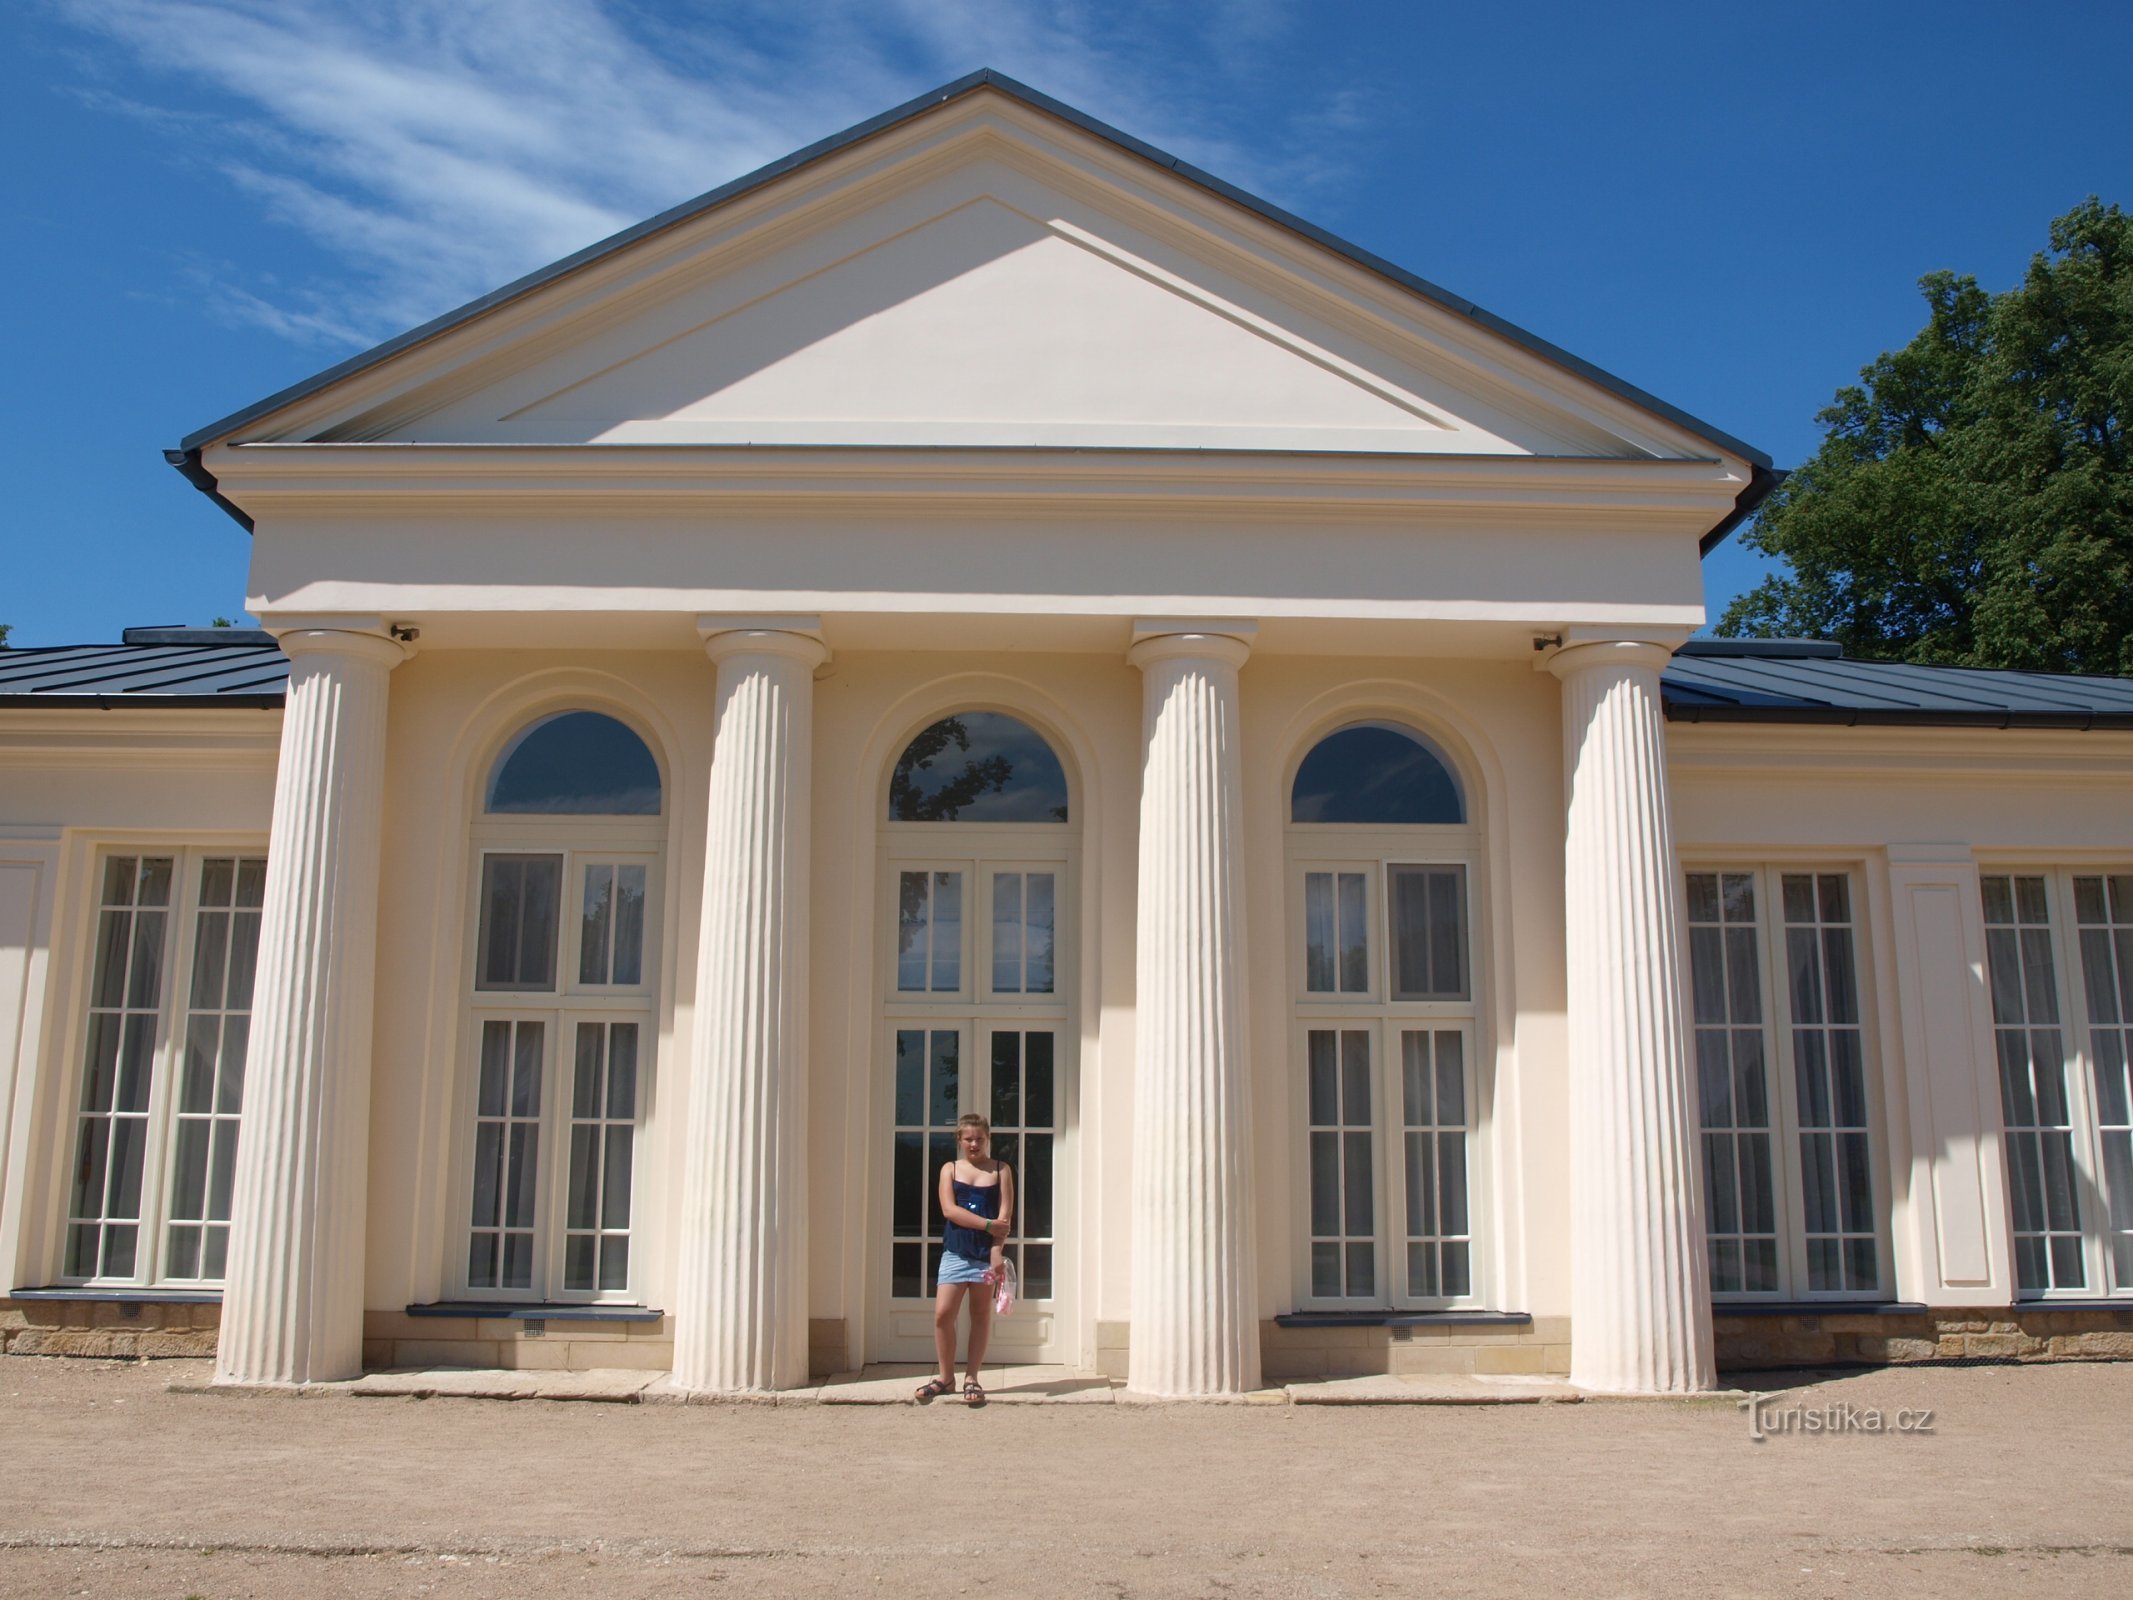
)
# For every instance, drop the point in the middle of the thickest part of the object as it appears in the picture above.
(1360, 362)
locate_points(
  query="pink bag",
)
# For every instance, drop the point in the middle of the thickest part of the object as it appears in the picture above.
(1003, 1292)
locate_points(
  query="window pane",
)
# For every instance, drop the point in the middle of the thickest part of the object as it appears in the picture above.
(1006, 1080)
(576, 763)
(629, 923)
(914, 915)
(1428, 933)
(947, 932)
(519, 923)
(1007, 932)
(596, 924)
(978, 766)
(1318, 933)
(1354, 932)
(1375, 774)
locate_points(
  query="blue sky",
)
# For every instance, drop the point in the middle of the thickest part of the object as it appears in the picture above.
(1729, 205)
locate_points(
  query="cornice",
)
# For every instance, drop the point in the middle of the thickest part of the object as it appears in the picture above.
(1582, 491)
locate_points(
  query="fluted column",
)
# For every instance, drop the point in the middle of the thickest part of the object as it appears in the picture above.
(1640, 1313)
(1195, 1329)
(292, 1301)
(740, 1316)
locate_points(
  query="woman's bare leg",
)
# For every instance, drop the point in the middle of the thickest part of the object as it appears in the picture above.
(947, 1301)
(980, 1333)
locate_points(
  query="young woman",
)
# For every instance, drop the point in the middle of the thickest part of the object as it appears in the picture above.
(978, 1201)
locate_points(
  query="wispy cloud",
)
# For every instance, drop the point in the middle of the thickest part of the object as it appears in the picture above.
(438, 148)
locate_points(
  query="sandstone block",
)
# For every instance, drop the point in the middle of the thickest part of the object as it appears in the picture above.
(445, 1353)
(2001, 1346)
(1912, 1349)
(167, 1342)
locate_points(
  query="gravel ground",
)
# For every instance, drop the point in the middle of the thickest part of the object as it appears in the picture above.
(115, 1487)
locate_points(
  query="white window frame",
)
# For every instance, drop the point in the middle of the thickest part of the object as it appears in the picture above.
(166, 1063)
(1374, 851)
(975, 1010)
(2078, 1063)
(581, 841)
(1782, 1086)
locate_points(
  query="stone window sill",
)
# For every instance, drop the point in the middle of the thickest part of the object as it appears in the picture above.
(1404, 1319)
(1818, 1308)
(104, 1294)
(529, 1311)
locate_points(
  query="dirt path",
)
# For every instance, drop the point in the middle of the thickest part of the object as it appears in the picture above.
(115, 1487)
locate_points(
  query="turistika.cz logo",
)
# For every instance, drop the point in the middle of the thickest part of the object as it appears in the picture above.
(1770, 1415)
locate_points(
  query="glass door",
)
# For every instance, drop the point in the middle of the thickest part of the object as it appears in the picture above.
(975, 1021)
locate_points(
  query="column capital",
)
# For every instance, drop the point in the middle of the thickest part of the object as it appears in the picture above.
(369, 638)
(1225, 639)
(799, 637)
(1585, 648)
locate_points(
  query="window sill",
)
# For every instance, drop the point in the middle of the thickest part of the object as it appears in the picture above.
(2123, 1302)
(543, 1311)
(1818, 1308)
(1404, 1319)
(104, 1293)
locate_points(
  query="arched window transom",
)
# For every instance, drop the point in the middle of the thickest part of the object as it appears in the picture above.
(978, 766)
(1376, 774)
(575, 763)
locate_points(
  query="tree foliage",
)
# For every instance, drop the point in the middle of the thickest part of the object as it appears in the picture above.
(1972, 500)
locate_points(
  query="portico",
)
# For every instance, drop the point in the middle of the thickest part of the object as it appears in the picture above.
(977, 619)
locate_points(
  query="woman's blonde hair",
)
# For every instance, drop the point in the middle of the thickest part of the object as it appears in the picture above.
(973, 1119)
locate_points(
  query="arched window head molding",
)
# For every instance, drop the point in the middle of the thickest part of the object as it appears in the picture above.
(1377, 773)
(979, 765)
(575, 762)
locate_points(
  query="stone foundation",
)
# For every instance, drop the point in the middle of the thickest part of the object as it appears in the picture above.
(395, 1339)
(1990, 1333)
(109, 1329)
(1539, 1346)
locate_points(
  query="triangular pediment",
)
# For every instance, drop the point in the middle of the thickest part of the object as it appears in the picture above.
(986, 326)
(980, 274)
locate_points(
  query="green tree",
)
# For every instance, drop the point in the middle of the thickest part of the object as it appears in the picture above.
(1972, 500)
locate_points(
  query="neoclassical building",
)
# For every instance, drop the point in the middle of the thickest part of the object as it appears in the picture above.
(981, 615)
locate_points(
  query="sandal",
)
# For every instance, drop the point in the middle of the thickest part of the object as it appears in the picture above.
(932, 1389)
(973, 1393)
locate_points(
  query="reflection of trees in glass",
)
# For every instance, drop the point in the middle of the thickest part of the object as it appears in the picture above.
(908, 802)
(978, 766)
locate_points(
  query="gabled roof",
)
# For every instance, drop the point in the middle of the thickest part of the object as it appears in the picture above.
(1710, 680)
(186, 458)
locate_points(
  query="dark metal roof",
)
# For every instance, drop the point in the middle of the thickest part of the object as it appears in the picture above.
(1710, 680)
(245, 670)
(186, 458)
(1810, 681)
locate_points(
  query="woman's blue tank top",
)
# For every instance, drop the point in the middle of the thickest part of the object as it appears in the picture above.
(970, 1243)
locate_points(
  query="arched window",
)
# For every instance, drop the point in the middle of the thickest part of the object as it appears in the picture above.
(1383, 997)
(578, 764)
(978, 1007)
(978, 766)
(562, 1007)
(1376, 774)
